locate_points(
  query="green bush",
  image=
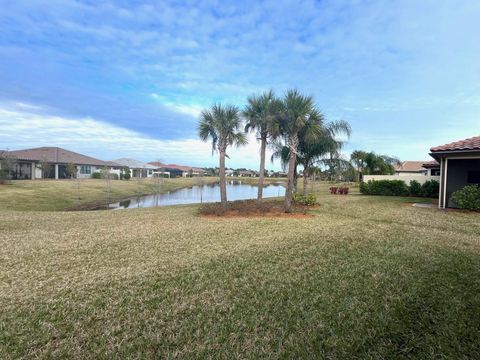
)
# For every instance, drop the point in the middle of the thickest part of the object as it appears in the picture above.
(400, 188)
(384, 187)
(430, 189)
(125, 173)
(468, 197)
(96, 175)
(415, 188)
(307, 200)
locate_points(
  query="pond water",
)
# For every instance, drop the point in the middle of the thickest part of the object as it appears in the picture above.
(200, 194)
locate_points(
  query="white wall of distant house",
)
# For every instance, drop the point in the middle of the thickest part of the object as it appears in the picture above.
(407, 178)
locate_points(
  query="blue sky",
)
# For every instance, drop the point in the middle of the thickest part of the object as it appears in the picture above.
(128, 78)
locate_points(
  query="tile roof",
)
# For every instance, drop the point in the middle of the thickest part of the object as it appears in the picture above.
(56, 155)
(175, 166)
(472, 143)
(133, 163)
(430, 164)
(410, 166)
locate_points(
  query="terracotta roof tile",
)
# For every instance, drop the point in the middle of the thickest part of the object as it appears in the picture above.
(472, 143)
(410, 166)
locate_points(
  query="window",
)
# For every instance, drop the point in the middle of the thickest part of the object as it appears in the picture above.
(474, 177)
(85, 169)
(435, 172)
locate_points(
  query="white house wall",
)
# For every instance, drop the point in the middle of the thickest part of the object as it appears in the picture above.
(407, 178)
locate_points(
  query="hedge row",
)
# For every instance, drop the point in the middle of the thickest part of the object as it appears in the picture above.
(399, 188)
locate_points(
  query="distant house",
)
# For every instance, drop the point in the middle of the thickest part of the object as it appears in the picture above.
(410, 168)
(246, 173)
(459, 166)
(179, 170)
(52, 162)
(138, 168)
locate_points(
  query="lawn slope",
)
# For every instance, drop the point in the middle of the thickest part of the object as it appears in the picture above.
(366, 277)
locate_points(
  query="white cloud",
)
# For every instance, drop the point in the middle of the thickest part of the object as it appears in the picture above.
(20, 127)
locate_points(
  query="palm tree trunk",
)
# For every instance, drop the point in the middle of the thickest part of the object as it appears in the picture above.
(305, 179)
(292, 164)
(261, 175)
(223, 181)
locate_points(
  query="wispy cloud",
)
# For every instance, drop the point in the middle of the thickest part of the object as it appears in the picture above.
(400, 67)
(21, 128)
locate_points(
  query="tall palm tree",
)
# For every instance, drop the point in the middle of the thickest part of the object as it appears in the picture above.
(326, 143)
(260, 114)
(222, 125)
(298, 115)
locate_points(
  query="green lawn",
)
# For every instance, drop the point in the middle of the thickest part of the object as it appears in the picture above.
(366, 277)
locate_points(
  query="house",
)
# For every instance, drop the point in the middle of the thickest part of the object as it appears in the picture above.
(432, 167)
(179, 170)
(138, 168)
(246, 173)
(408, 171)
(53, 163)
(410, 168)
(459, 166)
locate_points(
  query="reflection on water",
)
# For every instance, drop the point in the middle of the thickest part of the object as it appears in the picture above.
(200, 194)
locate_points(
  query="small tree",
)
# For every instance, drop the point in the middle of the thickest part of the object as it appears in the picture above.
(46, 168)
(7, 162)
(125, 173)
(105, 174)
(71, 170)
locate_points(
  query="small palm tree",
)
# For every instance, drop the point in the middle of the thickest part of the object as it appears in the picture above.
(310, 151)
(298, 115)
(222, 125)
(260, 114)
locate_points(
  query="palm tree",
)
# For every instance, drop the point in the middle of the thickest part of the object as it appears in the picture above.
(260, 115)
(222, 125)
(358, 159)
(298, 115)
(326, 143)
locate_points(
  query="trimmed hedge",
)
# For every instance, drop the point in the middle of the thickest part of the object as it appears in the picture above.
(467, 198)
(400, 188)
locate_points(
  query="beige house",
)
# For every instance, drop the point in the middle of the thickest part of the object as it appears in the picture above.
(52, 163)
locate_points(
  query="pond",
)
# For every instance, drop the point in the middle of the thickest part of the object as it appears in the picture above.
(200, 194)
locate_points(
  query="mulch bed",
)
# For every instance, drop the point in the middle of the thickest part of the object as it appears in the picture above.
(254, 208)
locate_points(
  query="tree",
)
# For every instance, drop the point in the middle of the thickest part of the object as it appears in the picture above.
(311, 150)
(298, 113)
(221, 124)
(358, 160)
(7, 162)
(71, 170)
(260, 114)
(46, 168)
(125, 173)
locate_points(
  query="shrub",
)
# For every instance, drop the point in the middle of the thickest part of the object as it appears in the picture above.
(307, 200)
(415, 188)
(96, 175)
(125, 173)
(430, 189)
(384, 187)
(468, 197)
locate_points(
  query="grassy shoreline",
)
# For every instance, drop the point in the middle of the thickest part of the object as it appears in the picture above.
(62, 195)
(365, 277)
